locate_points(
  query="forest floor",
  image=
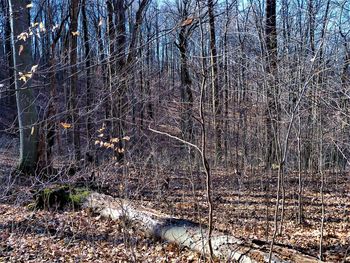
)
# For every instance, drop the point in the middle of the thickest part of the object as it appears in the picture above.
(244, 207)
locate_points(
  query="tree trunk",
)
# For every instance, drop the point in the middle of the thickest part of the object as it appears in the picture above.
(89, 94)
(111, 111)
(272, 87)
(27, 112)
(186, 82)
(74, 78)
(189, 234)
(215, 81)
(121, 102)
(50, 127)
(11, 98)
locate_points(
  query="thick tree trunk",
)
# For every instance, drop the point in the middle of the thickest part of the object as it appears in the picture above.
(27, 113)
(189, 234)
(186, 82)
(50, 126)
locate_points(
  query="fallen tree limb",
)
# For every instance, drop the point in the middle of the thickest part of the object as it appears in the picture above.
(189, 234)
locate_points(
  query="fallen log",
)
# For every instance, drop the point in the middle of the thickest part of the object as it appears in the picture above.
(189, 234)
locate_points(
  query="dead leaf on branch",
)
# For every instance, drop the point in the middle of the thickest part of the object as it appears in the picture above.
(34, 68)
(101, 130)
(25, 76)
(66, 125)
(76, 33)
(126, 138)
(42, 27)
(23, 36)
(114, 140)
(120, 150)
(187, 22)
(21, 48)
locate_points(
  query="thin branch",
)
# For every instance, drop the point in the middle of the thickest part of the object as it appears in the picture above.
(176, 138)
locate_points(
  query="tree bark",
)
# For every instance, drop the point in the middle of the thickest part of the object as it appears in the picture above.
(215, 81)
(272, 92)
(121, 89)
(111, 111)
(9, 56)
(89, 94)
(190, 234)
(74, 9)
(186, 82)
(27, 112)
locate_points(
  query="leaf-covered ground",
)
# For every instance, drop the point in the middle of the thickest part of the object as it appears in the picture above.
(44, 236)
(244, 207)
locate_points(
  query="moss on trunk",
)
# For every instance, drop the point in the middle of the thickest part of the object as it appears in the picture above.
(58, 197)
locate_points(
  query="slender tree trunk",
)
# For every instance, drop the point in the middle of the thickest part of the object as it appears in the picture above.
(9, 56)
(73, 107)
(300, 182)
(125, 62)
(150, 109)
(204, 145)
(272, 89)
(121, 58)
(142, 102)
(111, 111)
(322, 196)
(89, 93)
(309, 151)
(226, 85)
(217, 106)
(103, 65)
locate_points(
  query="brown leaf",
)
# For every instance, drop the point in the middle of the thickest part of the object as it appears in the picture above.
(21, 48)
(187, 22)
(65, 125)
